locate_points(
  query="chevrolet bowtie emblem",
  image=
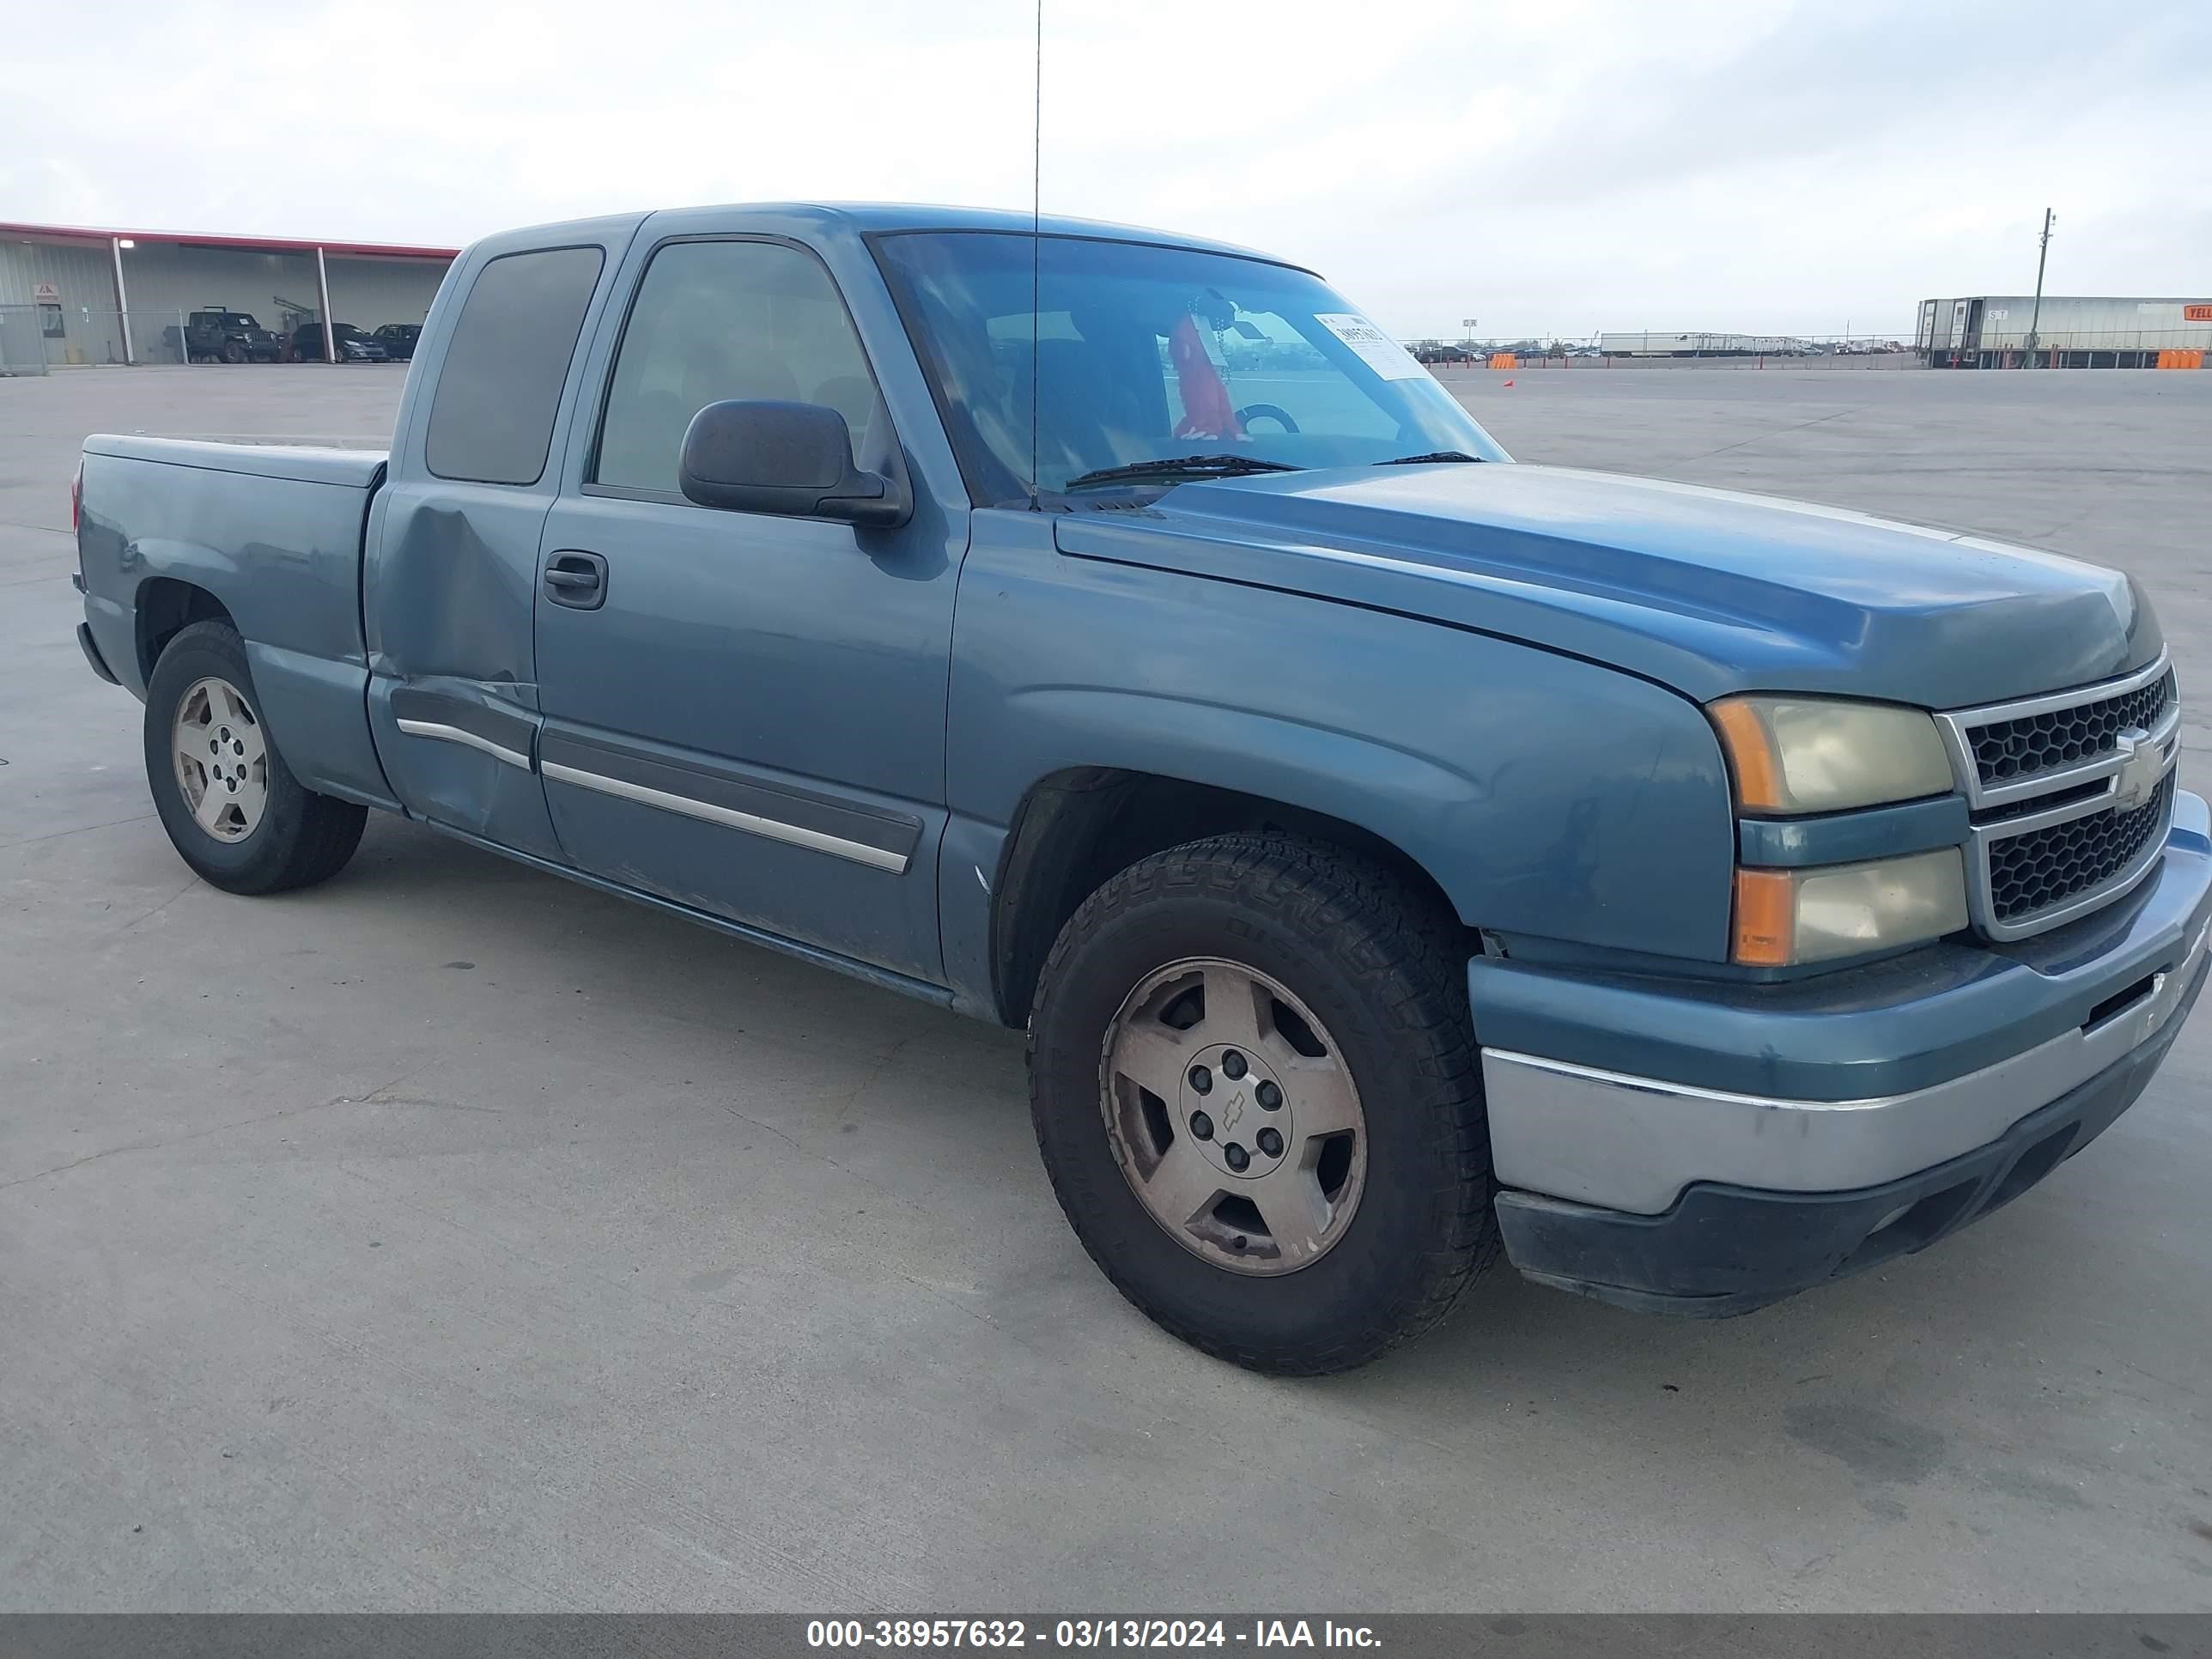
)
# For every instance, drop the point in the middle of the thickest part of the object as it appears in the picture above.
(2142, 768)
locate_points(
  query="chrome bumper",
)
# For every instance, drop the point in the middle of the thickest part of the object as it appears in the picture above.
(1634, 1143)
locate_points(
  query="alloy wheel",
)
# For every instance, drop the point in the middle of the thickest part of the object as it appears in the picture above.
(222, 759)
(1234, 1116)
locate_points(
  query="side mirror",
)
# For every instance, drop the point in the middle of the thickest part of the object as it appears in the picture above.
(792, 458)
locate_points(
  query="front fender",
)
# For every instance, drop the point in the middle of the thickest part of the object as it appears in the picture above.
(1545, 795)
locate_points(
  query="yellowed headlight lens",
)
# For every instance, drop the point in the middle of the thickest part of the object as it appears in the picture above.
(1796, 755)
(1788, 916)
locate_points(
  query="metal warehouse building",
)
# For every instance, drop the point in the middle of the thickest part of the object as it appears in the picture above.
(70, 295)
(1992, 331)
(1648, 342)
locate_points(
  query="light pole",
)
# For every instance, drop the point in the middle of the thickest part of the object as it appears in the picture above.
(2043, 255)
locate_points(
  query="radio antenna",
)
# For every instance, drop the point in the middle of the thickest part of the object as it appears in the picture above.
(1036, 243)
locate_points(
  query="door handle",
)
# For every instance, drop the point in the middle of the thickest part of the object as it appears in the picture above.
(576, 579)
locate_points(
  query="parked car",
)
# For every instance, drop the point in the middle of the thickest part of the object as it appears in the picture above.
(397, 340)
(1445, 353)
(1394, 852)
(353, 346)
(218, 336)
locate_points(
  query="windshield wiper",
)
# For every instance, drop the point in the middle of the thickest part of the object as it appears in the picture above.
(1433, 455)
(1184, 466)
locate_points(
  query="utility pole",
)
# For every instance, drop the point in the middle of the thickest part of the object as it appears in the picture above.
(2043, 254)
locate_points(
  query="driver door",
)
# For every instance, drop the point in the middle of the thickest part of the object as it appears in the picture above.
(746, 712)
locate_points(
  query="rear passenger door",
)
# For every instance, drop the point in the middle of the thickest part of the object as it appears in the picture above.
(744, 713)
(452, 551)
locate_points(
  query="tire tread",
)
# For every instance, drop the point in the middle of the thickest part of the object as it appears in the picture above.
(1400, 953)
(312, 835)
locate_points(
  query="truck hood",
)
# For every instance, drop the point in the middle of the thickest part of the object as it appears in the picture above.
(1707, 591)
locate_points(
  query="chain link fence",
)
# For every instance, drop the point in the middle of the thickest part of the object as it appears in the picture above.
(1672, 350)
(22, 350)
(36, 338)
(2155, 348)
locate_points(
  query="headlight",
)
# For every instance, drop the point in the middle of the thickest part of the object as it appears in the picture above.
(1823, 755)
(1786, 916)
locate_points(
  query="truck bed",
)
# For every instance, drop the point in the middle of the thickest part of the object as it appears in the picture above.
(355, 469)
(173, 530)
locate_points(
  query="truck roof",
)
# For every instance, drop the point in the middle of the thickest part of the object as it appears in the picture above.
(869, 218)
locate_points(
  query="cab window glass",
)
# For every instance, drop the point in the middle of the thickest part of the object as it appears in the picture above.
(716, 321)
(499, 389)
(1057, 358)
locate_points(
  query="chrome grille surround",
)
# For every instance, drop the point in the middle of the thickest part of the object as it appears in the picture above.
(2003, 808)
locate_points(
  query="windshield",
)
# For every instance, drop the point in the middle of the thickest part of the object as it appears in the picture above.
(1150, 354)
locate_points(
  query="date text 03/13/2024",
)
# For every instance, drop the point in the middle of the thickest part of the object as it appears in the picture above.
(1085, 1633)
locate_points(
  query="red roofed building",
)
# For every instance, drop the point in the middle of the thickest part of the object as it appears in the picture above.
(76, 295)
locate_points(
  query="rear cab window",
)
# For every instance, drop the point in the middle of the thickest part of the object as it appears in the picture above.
(499, 388)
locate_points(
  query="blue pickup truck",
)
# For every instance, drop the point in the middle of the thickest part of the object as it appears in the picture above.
(1394, 853)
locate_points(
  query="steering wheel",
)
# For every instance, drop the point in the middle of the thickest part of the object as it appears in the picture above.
(1251, 412)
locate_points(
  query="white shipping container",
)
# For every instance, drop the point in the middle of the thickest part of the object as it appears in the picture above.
(2000, 322)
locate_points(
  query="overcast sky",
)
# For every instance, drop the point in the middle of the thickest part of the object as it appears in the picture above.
(1559, 167)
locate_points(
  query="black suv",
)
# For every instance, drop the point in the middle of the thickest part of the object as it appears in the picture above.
(397, 340)
(353, 346)
(217, 336)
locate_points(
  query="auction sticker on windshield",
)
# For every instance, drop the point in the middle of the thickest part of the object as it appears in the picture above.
(1375, 348)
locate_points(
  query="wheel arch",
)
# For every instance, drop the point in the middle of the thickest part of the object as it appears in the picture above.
(1077, 827)
(164, 607)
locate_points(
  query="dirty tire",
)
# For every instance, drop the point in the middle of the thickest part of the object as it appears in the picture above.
(1382, 972)
(302, 837)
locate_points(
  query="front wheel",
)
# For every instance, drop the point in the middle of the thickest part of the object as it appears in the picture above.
(232, 809)
(1255, 1088)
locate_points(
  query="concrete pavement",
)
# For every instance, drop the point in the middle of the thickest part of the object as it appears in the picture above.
(452, 1237)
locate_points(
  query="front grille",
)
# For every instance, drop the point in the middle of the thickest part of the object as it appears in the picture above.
(2008, 750)
(2033, 871)
(2041, 777)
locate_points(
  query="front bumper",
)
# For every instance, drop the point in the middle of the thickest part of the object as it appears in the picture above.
(1688, 1189)
(1723, 1250)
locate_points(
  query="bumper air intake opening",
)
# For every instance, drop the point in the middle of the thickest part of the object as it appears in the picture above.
(2120, 1001)
(2032, 1165)
(1919, 1225)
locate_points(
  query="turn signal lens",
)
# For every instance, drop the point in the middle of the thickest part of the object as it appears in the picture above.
(1750, 746)
(1765, 917)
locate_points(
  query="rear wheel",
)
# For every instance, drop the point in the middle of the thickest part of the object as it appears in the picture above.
(1255, 1086)
(232, 809)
